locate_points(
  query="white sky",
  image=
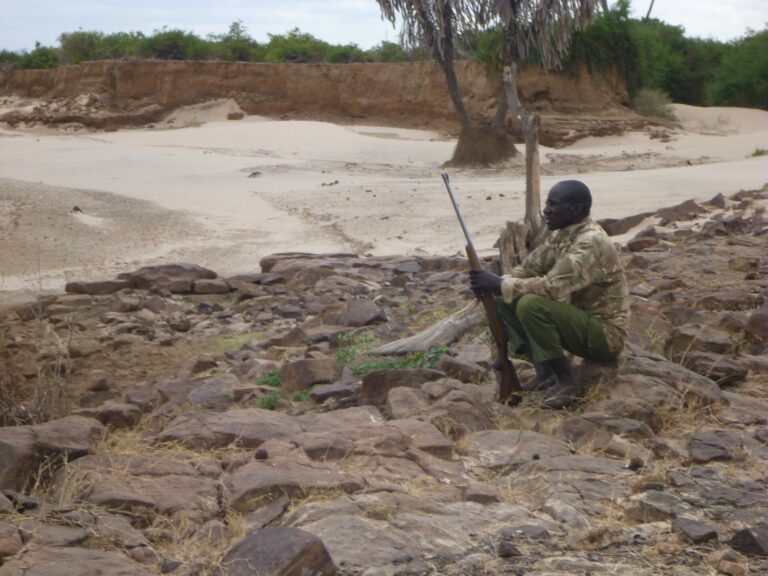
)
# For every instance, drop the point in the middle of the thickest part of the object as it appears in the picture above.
(23, 22)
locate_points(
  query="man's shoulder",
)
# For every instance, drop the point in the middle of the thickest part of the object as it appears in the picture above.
(590, 232)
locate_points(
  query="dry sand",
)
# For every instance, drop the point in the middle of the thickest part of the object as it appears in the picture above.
(225, 193)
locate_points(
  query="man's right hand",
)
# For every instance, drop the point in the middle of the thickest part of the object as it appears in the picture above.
(483, 282)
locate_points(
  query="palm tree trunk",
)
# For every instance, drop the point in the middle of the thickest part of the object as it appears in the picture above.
(455, 92)
(443, 53)
(530, 126)
(648, 15)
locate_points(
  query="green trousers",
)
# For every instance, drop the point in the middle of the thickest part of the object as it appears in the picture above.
(542, 328)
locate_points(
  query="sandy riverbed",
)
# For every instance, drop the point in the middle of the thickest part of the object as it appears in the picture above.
(77, 205)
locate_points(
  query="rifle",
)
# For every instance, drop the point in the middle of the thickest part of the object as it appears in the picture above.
(509, 385)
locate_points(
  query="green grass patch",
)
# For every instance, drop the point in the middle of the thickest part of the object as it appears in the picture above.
(270, 379)
(759, 152)
(302, 395)
(426, 359)
(353, 345)
(269, 401)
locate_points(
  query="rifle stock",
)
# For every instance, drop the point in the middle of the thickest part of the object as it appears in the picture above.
(509, 385)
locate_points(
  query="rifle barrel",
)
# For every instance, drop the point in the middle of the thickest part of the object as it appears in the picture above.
(456, 208)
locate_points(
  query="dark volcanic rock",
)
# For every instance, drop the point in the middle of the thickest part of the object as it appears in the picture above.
(176, 278)
(752, 541)
(730, 300)
(722, 369)
(688, 210)
(655, 505)
(210, 286)
(323, 392)
(699, 337)
(757, 324)
(361, 313)
(98, 287)
(60, 561)
(697, 531)
(248, 427)
(288, 471)
(279, 551)
(302, 374)
(508, 449)
(711, 445)
(461, 369)
(17, 456)
(377, 384)
(617, 227)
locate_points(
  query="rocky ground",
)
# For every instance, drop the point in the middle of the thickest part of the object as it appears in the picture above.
(173, 421)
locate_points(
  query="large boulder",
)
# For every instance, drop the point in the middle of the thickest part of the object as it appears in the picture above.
(177, 278)
(18, 456)
(698, 337)
(280, 552)
(97, 287)
(22, 448)
(302, 374)
(285, 471)
(454, 407)
(60, 561)
(377, 384)
(71, 436)
(504, 450)
(248, 428)
(757, 323)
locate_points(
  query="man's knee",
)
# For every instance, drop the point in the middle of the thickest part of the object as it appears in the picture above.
(529, 305)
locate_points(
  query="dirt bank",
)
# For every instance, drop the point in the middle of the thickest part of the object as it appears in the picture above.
(403, 94)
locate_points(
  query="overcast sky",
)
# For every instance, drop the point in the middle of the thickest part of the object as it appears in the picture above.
(23, 22)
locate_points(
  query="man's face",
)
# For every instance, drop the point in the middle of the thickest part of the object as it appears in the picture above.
(560, 211)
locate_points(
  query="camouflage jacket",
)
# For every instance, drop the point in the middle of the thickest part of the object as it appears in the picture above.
(578, 265)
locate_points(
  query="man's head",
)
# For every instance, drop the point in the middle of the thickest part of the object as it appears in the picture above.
(568, 202)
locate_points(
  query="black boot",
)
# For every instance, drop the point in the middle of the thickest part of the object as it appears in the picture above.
(544, 378)
(566, 391)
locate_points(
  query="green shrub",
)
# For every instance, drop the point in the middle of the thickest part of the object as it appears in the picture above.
(123, 45)
(350, 345)
(269, 401)
(81, 46)
(426, 359)
(302, 395)
(345, 54)
(40, 58)
(295, 46)
(653, 103)
(742, 77)
(235, 45)
(8, 58)
(608, 42)
(270, 379)
(387, 52)
(485, 47)
(175, 45)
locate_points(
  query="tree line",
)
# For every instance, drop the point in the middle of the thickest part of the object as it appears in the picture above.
(648, 53)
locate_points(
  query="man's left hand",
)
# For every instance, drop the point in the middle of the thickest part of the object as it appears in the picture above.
(483, 282)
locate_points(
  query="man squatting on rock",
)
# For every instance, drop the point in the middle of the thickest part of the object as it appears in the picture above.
(570, 293)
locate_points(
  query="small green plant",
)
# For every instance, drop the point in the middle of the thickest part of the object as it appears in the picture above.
(759, 152)
(302, 395)
(426, 359)
(270, 379)
(653, 103)
(269, 401)
(351, 345)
